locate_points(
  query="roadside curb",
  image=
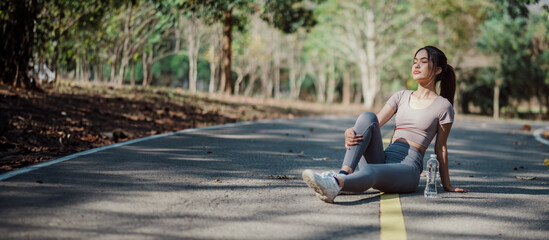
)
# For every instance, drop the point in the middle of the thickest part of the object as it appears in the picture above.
(537, 134)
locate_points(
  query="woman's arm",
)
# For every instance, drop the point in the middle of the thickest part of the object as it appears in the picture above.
(441, 150)
(383, 116)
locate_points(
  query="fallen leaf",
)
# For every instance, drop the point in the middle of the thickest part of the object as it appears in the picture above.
(546, 162)
(217, 180)
(527, 127)
(290, 150)
(301, 154)
(525, 178)
(321, 159)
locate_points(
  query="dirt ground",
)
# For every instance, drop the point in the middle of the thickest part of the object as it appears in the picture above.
(59, 120)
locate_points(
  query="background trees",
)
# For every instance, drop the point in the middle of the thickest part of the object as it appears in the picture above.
(319, 50)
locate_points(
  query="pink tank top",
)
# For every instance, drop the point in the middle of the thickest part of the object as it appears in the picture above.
(419, 125)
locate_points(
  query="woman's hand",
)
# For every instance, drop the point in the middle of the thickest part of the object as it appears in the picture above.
(351, 138)
(455, 189)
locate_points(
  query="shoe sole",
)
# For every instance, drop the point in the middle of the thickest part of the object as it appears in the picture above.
(309, 177)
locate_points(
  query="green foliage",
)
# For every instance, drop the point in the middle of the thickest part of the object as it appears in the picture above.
(478, 90)
(213, 11)
(521, 54)
(177, 66)
(290, 15)
(89, 34)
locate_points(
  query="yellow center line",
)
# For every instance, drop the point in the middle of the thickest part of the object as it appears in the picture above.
(391, 219)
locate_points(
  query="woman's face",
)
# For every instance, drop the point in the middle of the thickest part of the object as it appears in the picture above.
(421, 69)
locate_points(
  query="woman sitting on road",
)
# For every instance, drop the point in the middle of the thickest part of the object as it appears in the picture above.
(420, 115)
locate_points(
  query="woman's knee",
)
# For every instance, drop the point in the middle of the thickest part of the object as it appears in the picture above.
(367, 118)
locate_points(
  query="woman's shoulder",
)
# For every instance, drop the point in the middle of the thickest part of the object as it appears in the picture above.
(402, 92)
(444, 105)
(444, 102)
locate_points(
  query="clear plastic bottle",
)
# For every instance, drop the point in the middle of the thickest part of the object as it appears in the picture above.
(431, 184)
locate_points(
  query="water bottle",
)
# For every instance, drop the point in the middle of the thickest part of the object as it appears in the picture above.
(431, 184)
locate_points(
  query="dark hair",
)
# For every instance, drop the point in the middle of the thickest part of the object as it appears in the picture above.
(447, 77)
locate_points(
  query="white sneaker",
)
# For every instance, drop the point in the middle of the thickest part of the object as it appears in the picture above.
(328, 174)
(324, 184)
(333, 174)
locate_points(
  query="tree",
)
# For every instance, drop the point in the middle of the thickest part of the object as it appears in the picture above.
(18, 22)
(503, 35)
(287, 15)
(366, 33)
(538, 37)
(296, 62)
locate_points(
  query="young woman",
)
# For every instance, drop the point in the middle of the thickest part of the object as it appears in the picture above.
(420, 115)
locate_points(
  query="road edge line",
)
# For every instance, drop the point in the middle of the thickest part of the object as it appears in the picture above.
(30, 168)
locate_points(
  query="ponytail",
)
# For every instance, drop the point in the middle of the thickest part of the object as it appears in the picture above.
(447, 80)
(447, 77)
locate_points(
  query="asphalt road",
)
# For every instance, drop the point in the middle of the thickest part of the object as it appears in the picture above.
(244, 182)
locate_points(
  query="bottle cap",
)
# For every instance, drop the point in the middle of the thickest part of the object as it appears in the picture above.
(433, 156)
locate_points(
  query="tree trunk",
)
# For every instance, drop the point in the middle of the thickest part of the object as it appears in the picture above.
(211, 88)
(145, 68)
(193, 41)
(240, 77)
(125, 49)
(321, 85)
(213, 67)
(113, 71)
(56, 53)
(276, 76)
(358, 92)
(178, 33)
(100, 70)
(250, 88)
(346, 98)
(192, 62)
(330, 90)
(150, 66)
(147, 62)
(17, 41)
(496, 101)
(132, 78)
(77, 70)
(227, 42)
(265, 80)
(292, 76)
(371, 88)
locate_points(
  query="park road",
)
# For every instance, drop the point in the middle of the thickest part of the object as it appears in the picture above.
(243, 181)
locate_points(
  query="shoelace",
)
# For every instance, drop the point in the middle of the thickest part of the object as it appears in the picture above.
(328, 174)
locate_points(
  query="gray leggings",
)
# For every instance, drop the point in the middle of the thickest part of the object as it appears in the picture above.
(395, 170)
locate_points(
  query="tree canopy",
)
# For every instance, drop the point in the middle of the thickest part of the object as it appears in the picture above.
(321, 50)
